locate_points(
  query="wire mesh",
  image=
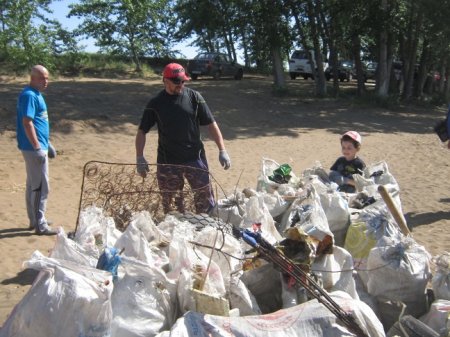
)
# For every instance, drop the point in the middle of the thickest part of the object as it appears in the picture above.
(120, 191)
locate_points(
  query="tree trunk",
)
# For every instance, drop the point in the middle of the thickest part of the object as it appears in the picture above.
(135, 56)
(413, 37)
(356, 44)
(2, 32)
(321, 88)
(233, 48)
(137, 62)
(383, 80)
(443, 72)
(330, 33)
(278, 70)
(245, 47)
(422, 72)
(302, 35)
(447, 85)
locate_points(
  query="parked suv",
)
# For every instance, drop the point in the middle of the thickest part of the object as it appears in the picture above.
(214, 64)
(299, 64)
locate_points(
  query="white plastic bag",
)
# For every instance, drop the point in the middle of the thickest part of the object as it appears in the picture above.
(378, 174)
(275, 203)
(134, 244)
(227, 256)
(310, 319)
(143, 300)
(65, 300)
(373, 224)
(438, 317)
(336, 271)
(267, 185)
(309, 215)
(399, 271)
(337, 213)
(95, 231)
(441, 279)
(231, 210)
(144, 222)
(185, 258)
(67, 249)
(256, 211)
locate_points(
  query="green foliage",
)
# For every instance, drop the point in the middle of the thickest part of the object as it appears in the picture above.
(131, 31)
(102, 66)
(28, 37)
(133, 28)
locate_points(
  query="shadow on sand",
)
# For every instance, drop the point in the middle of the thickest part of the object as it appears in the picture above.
(244, 109)
(420, 219)
(23, 278)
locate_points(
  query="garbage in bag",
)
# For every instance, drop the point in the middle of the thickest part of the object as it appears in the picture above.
(310, 319)
(65, 299)
(281, 175)
(438, 317)
(109, 260)
(264, 183)
(441, 279)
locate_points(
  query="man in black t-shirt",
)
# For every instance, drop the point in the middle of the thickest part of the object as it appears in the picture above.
(179, 112)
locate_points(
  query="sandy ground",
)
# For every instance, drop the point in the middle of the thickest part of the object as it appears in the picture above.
(96, 119)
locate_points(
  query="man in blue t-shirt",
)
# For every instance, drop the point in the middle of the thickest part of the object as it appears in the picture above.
(178, 113)
(33, 131)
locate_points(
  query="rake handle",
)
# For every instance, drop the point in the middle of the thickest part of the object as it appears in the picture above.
(398, 217)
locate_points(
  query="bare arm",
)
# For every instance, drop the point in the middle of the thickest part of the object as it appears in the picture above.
(31, 132)
(141, 163)
(140, 143)
(216, 135)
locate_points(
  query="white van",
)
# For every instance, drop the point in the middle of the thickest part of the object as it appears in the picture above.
(299, 64)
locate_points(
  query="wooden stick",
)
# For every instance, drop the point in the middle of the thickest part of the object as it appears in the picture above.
(203, 280)
(398, 217)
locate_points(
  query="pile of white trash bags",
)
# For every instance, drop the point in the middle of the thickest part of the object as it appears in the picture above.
(177, 278)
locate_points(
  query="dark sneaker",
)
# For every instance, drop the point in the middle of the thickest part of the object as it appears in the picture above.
(46, 231)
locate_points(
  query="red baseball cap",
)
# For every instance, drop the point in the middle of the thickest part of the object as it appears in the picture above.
(353, 135)
(175, 70)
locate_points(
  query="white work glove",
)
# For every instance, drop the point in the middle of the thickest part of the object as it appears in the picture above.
(142, 166)
(224, 159)
(40, 155)
(51, 151)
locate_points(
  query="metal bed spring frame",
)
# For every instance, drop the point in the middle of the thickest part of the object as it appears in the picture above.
(120, 191)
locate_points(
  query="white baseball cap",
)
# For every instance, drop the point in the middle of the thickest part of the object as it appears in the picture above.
(353, 135)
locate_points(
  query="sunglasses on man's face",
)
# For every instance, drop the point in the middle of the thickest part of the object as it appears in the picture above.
(176, 81)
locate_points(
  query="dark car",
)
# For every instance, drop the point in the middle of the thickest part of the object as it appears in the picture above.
(214, 64)
(346, 71)
(371, 70)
